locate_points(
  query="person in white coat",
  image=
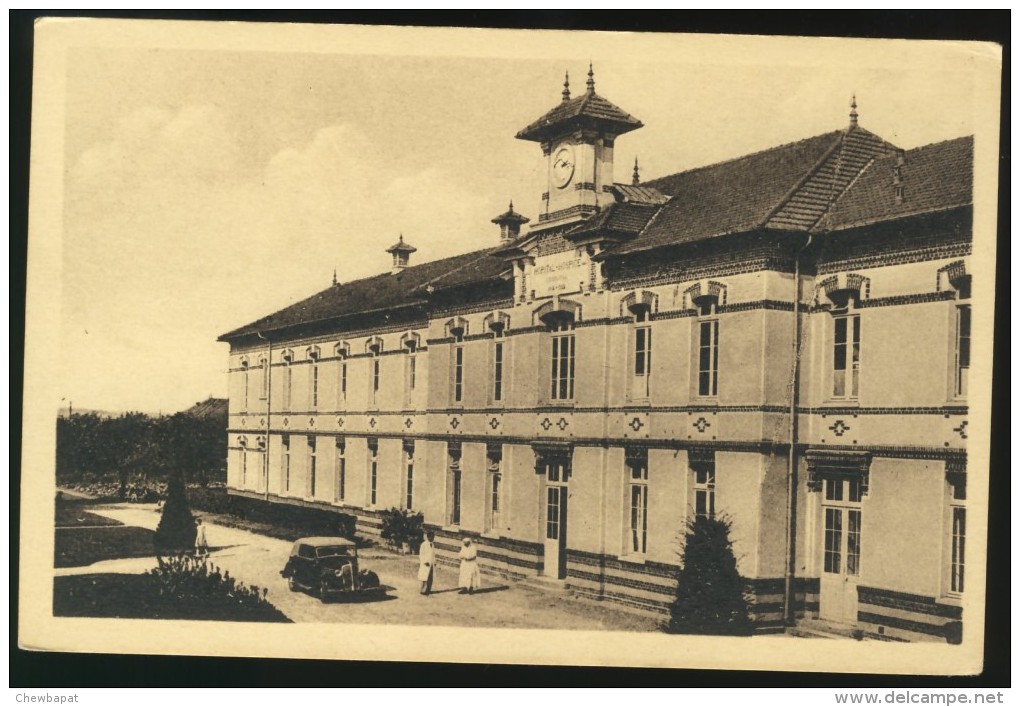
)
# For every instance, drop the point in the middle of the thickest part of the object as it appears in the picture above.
(470, 575)
(427, 562)
(201, 542)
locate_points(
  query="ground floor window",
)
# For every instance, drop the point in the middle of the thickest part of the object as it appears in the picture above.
(285, 463)
(454, 488)
(637, 471)
(841, 504)
(958, 533)
(341, 470)
(409, 475)
(373, 471)
(312, 460)
(703, 471)
(494, 489)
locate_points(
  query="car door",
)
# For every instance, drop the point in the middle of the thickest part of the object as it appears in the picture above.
(304, 570)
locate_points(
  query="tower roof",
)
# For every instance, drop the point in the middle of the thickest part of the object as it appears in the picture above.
(401, 247)
(589, 110)
(511, 216)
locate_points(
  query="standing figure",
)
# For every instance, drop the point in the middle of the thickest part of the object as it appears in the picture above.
(427, 562)
(470, 576)
(201, 543)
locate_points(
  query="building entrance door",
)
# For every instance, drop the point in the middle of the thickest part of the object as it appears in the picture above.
(841, 550)
(555, 560)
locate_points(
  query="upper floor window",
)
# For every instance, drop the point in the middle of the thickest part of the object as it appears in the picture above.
(375, 371)
(288, 379)
(342, 352)
(313, 382)
(642, 352)
(244, 397)
(498, 333)
(458, 364)
(962, 353)
(264, 365)
(708, 348)
(411, 374)
(846, 355)
(561, 357)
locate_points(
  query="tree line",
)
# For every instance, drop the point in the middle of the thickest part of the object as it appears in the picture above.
(138, 447)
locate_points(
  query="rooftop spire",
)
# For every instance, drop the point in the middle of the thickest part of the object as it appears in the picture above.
(566, 86)
(853, 111)
(591, 78)
(637, 173)
(334, 277)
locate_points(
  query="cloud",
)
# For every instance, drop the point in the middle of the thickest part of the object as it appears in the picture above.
(194, 146)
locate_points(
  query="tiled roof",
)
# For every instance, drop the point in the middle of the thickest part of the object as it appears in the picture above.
(638, 194)
(619, 218)
(934, 178)
(213, 408)
(828, 182)
(733, 196)
(386, 291)
(824, 185)
(589, 108)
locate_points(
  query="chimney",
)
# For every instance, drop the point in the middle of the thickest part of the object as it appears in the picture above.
(510, 223)
(401, 254)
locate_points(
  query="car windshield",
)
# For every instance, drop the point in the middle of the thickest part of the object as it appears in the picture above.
(332, 551)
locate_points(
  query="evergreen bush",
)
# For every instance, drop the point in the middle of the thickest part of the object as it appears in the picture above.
(176, 530)
(400, 526)
(711, 597)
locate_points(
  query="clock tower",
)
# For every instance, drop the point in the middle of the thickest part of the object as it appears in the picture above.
(577, 138)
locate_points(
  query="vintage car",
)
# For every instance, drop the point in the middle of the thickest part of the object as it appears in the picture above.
(329, 567)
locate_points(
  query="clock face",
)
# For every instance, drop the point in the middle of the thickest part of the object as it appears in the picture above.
(563, 166)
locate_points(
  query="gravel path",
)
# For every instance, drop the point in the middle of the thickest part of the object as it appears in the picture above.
(257, 560)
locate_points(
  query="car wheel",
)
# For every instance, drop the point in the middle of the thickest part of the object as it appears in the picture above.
(323, 591)
(292, 585)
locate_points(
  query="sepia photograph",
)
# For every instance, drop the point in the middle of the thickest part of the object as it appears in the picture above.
(509, 346)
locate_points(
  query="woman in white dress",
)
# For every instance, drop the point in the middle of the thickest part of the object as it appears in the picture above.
(470, 576)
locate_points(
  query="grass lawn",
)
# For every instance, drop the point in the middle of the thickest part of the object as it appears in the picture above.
(81, 546)
(73, 515)
(130, 596)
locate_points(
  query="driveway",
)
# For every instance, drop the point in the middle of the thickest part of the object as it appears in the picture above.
(257, 560)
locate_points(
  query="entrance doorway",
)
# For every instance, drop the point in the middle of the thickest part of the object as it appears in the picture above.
(841, 550)
(555, 560)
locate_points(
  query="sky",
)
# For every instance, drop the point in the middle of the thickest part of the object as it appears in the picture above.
(209, 180)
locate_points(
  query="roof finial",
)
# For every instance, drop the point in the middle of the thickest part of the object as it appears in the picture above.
(511, 206)
(566, 86)
(853, 111)
(334, 277)
(591, 78)
(637, 173)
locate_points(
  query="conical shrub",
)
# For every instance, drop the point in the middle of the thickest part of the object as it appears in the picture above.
(176, 529)
(710, 596)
